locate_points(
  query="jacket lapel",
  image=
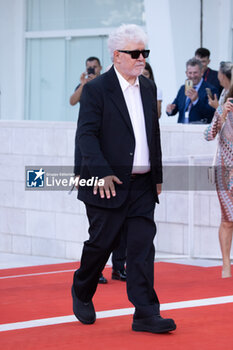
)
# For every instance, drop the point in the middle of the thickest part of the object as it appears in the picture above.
(117, 96)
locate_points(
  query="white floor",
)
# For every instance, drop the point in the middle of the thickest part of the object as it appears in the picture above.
(16, 260)
(8, 261)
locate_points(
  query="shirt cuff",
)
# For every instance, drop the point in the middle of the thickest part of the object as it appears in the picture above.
(195, 102)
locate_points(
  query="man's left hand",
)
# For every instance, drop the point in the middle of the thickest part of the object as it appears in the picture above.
(108, 189)
(192, 94)
(159, 189)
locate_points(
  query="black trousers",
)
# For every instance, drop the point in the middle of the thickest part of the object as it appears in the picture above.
(119, 253)
(137, 216)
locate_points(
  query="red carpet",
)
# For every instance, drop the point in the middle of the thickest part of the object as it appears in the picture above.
(43, 296)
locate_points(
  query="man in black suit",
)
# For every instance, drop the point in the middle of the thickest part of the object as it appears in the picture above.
(209, 75)
(119, 254)
(119, 138)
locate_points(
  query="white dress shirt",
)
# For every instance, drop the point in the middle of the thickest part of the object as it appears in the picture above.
(132, 95)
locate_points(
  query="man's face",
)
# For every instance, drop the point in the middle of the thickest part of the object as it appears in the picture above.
(94, 64)
(127, 66)
(194, 73)
(204, 60)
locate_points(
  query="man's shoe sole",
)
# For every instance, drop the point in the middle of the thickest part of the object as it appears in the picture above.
(139, 328)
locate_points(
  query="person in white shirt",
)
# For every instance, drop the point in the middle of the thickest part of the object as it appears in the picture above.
(119, 138)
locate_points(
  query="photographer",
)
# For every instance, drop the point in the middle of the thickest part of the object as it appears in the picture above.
(93, 69)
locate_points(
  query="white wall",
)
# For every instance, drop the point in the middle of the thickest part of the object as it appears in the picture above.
(38, 223)
(11, 59)
(217, 30)
(187, 220)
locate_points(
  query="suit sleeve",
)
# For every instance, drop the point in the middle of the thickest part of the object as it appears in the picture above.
(88, 132)
(176, 102)
(77, 157)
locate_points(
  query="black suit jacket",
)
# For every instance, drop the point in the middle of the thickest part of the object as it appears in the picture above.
(201, 111)
(211, 77)
(106, 139)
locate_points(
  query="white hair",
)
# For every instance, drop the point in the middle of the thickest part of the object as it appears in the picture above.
(122, 35)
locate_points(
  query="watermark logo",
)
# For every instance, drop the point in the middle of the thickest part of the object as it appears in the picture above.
(35, 178)
(56, 178)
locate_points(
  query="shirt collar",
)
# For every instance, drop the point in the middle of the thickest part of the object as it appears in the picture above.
(123, 82)
(198, 85)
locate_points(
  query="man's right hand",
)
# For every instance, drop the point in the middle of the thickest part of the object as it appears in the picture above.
(83, 79)
(76, 178)
(170, 108)
(159, 189)
(108, 189)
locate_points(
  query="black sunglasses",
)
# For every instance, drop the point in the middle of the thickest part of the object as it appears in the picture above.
(136, 53)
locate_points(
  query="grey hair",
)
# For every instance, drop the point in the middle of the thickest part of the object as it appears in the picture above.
(125, 33)
(226, 68)
(194, 62)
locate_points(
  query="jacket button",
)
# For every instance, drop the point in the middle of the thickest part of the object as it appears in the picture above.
(131, 154)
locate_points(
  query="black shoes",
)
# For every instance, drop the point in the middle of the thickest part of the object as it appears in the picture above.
(84, 312)
(102, 280)
(153, 324)
(119, 275)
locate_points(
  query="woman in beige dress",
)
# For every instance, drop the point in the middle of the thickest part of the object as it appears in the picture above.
(222, 125)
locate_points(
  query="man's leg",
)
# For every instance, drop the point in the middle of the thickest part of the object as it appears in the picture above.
(141, 231)
(140, 264)
(104, 230)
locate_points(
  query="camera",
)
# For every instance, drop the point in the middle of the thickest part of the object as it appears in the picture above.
(90, 70)
(231, 100)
